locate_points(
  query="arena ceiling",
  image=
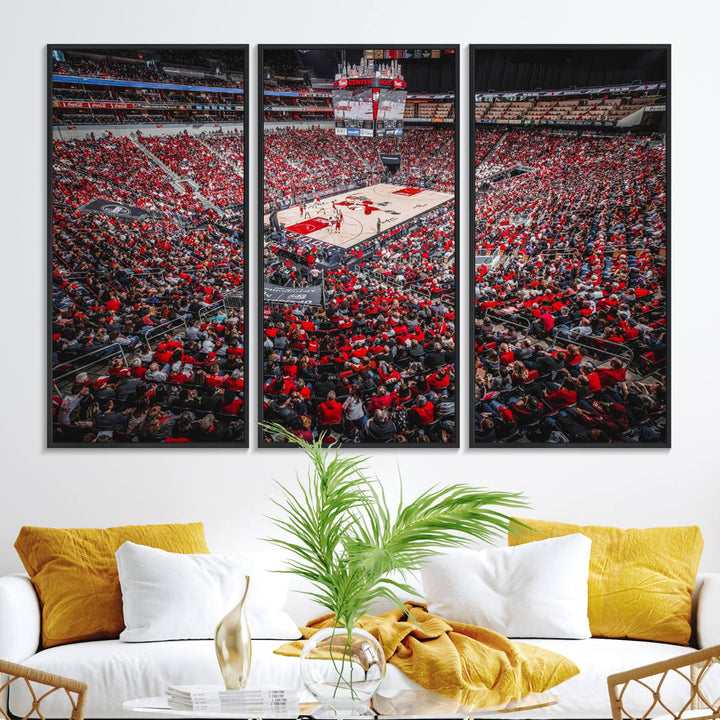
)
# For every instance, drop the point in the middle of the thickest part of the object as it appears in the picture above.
(513, 70)
(431, 75)
(209, 57)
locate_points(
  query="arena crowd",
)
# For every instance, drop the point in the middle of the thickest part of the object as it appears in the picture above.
(302, 163)
(376, 363)
(143, 348)
(570, 306)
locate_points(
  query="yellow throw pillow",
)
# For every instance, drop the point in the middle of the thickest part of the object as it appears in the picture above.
(76, 578)
(641, 580)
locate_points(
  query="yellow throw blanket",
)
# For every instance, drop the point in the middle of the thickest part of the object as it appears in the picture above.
(469, 665)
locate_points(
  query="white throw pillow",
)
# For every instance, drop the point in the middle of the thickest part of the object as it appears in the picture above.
(176, 596)
(537, 590)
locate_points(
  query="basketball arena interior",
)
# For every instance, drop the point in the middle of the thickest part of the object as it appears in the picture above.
(148, 245)
(358, 335)
(570, 257)
(359, 267)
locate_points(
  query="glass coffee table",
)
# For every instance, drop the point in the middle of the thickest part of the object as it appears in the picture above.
(412, 704)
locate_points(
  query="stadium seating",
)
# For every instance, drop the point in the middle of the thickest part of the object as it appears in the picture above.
(584, 107)
(302, 163)
(569, 288)
(117, 68)
(383, 345)
(143, 348)
(130, 100)
(217, 178)
(570, 313)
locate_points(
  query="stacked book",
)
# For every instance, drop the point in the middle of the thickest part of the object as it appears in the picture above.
(251, 702)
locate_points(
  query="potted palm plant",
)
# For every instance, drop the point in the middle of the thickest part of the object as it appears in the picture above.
(343, 537)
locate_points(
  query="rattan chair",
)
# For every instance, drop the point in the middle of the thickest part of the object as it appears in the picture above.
(699, 671)
(41, 685)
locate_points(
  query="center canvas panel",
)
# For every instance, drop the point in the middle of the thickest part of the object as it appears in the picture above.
(358, 324)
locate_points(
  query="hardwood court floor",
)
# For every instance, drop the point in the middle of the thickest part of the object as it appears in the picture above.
(392, 204)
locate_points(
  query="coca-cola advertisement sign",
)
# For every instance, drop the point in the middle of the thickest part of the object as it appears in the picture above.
(96, 105)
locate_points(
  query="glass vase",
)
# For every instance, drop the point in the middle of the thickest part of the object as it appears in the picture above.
(233, 645)
(342, 670)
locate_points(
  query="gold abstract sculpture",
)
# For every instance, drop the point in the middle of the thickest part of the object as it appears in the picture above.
(232, 645)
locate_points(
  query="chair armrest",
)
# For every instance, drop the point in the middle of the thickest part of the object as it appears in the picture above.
(19, 618)
(75, 691)
(708, 611)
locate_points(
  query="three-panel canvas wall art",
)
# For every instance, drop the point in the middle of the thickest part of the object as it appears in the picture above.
(350, 323)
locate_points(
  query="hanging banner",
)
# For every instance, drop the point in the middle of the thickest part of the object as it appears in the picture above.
(311, 295)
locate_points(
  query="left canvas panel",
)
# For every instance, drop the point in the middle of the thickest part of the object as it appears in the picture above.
(146, 253)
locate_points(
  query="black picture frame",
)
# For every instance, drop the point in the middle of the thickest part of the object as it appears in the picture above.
(512, 441)
(262, 49)
(51, 441)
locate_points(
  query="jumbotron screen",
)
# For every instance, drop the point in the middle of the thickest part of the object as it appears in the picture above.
(369, 107)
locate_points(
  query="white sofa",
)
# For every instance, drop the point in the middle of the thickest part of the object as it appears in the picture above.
(116, 671)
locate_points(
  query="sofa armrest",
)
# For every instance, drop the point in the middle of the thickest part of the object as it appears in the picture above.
(708, 611)
(19, 618)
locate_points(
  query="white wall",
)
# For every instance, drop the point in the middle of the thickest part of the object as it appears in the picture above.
(228, 489)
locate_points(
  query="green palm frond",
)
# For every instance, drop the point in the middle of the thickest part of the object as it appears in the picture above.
(344, 538)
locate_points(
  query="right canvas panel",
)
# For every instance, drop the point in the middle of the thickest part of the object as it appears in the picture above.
(570, 218)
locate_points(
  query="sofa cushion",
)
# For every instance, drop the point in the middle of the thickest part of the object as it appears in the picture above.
(534, 590)
(586, 695)
(708, 617)
(117, 671)
(183, 596)
(19, 618)
(75, 575)
(641, 580)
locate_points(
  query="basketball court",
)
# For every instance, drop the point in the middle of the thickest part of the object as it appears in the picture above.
(361, 209)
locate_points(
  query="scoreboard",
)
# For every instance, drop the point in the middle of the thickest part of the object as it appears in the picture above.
(369, 107)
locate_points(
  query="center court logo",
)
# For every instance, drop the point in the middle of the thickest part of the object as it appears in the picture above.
(114, 208)
(118, 210)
